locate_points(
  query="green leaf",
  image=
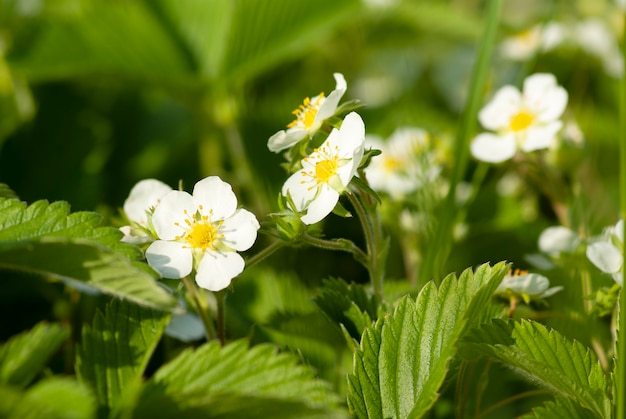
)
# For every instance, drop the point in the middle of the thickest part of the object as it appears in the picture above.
(214, 381)
(115, 350)
(119, 38)
(348, 304)
(403, 360)
(236, 40)
(88, 267)
(560, 408)
(54, 397)
(19, 222)
(6, 192)
(23, 356)
(544, 357)
(46, 240)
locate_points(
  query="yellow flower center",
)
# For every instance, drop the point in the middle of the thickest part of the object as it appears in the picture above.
(521, 121)
(325, 169)
(200, 233)
(306, 113)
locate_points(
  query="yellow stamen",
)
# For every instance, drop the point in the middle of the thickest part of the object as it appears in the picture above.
(199, 231)
(306, 113)
(202, 235)
(517, 272)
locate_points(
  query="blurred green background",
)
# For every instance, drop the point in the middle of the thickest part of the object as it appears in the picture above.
(96, 95)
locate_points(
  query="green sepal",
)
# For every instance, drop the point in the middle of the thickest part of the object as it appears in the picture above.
(362, 185)
(341, 211)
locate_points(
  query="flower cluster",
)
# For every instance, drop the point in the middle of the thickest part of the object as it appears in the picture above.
(318, 179)
(526, 120)
(200, 232)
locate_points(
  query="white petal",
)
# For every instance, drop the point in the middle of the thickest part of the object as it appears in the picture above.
(551, 291)
(351, 135)
(619, 278)
(301, 193)
(558, 239)
(322, 205)
(329, 106)
(531, 284)
(540, 137)
(143, 196)
(492, 148)
(285, 139)
(170, 259)
(605, 256)
(172, 210)
(498, 112)
(217, 269)
(350, 140)
(240, 230)
(553, 104)
(536, 86)
(215, 196)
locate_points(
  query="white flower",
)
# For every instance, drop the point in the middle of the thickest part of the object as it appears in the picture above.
(309, 117)
(202, 231)
(139, 205)
(528, 286)
(558, 239)
(606, 253)
(327, 171)
(524, 45)
(404, 164)
(527, 120)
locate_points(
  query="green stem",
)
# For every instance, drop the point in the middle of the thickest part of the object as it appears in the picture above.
(620, 390)
(338, 244)
(202, 308)
(372, 231)
(438, 251)
(220, 296)
(274, 246)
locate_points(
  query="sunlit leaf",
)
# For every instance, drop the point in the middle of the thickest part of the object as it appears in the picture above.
(23, 356)
(404, 358)
(544, 357)
(46, 240)
(53, 397)
(115, 350)
(86, 266)
(214, 381)
(19, 222)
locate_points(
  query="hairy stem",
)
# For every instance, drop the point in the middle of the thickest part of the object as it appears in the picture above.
(202, 308)
(370, 223)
